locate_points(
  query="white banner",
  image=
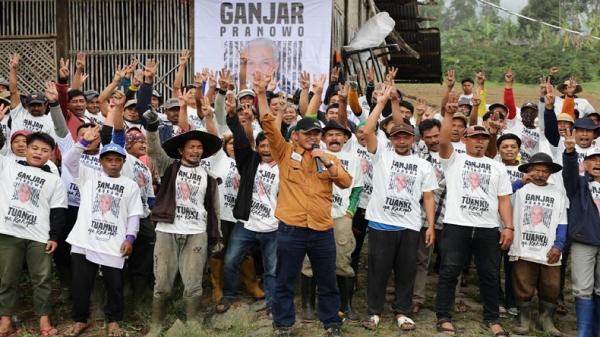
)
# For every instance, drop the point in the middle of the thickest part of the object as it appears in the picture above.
(286, 36)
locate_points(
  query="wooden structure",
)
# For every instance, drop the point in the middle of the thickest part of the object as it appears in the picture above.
(112, 32)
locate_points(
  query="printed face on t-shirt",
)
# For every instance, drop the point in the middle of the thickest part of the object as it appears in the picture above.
(184, 189)
(24, 193)
(537, 216)
(474, 180)
(105, 203)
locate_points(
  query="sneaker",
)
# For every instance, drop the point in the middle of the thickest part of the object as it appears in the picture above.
(334, 332)
(513, 311)
(283, 332)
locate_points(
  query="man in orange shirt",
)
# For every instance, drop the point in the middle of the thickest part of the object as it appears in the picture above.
(304, 212)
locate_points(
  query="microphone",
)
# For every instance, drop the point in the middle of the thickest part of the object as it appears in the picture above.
(320, 167)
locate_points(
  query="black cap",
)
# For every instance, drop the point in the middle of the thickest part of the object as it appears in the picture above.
(308, 124)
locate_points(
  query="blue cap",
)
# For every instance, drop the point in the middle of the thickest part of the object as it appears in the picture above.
(585, 123)
(114, 148)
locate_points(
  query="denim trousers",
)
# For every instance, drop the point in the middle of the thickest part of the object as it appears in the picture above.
(240, 242)
(457, 244)
(292, 244)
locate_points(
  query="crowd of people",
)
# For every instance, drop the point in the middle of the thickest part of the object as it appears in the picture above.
(135, 187)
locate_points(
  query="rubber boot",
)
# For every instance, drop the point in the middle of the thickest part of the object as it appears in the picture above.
(308, 288)
(524, 319)
(596, 319)
(545, 321)
(346, 288)
(584, 309)
(250, 280)
(216, 278)
(192, 309)
(158, 315)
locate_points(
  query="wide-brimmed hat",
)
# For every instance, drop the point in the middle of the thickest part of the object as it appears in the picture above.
(563, 87)
(210, 143)
(540, 158)
(334, 125)
(565, 117)
(459, 115)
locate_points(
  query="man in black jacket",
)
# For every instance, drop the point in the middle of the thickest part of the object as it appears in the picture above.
(255, 210)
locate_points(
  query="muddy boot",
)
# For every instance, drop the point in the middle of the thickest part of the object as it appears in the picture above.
(346, 288)
(545, 321)
(158, 315)
(308, 288)
(192, 309)
(524, 319)
(216, 278)
(250, 280)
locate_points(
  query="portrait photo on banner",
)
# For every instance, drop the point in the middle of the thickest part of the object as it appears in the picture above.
(281, 37)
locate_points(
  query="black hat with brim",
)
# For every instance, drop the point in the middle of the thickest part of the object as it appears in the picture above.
(540, 158)
(210, 143)
(334, 125)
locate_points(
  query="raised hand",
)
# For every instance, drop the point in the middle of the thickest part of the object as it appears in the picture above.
(230, 104)
(150, 70)
(138, 78)
(305, 80)
(452, 104)
(318, 83)
(80, 61)
(553, 71)
(244, 56)
(119, 74)
(371, 75)
(185, 96)
(420, 106)
(451, 78)
(224, 79)
(272, 82)
(569, 141)
(184, 57)
(476, 99)
(212, 79)
(119, 98)
(508, 76)
(63, 71)
(549, 98)
(50, 92)
(572, 86)
(343, 92)
(13, 60)
(335, 75)
(386, 92)
(4, 110)
(84, 77)
(480, 78)
(91, 134)
(205, 109)
(391, 75)
(259, 82)
(131, 68)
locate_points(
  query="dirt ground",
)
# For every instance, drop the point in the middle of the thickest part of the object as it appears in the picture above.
(245, 319)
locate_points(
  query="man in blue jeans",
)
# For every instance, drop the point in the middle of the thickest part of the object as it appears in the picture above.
(304, 209)
(255, 210)
(478, 194)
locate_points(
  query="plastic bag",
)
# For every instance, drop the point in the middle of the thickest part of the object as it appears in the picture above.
(373, 32)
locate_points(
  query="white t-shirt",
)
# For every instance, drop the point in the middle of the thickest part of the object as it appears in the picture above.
(190, 191)
(366, 169)
(105, 206)
(137, 171)
(398, 186)
(196, 123)
(26, 196)
(340, 199)
(473, 187)
(594, 187)
(50, 163)
(264, 199)
(513, 173)
(96, 118)
(581, 104)
(538, 210)
(228, 189)
(6, 132)
(529, 140)
(581, 153)
(23, 120)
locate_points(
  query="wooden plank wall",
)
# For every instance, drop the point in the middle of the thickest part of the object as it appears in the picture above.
(112, 32)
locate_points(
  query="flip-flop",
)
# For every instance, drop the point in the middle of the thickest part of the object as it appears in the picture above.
(439, 327)
(118, 332)
(73, 332)
(502, 333)
(49, 332)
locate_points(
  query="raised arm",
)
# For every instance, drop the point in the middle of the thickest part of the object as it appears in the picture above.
(13, 87)
(315, 101)
(476, 100)
(243, 69)
(183, 122)
(550, 122)
(304, 90)
(343, 104)
(79, 76)
(209, 117)
(106, 94)
(371, 124)
(446, 148)
(570, 170)
(60, 125)
(509, 97)
(450, 81)
(72, 157)
(184, 58)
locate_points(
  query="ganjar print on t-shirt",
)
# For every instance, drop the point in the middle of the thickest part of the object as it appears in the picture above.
(476, 185)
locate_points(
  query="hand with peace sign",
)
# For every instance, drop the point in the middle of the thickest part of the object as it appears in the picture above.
(569, 140)
(451, 79)
(508, 78)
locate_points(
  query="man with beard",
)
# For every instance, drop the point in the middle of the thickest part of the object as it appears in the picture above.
(344, 202)
(255, 211)
(400, 181)
(583, 216)
(540, 217)
(471, 221)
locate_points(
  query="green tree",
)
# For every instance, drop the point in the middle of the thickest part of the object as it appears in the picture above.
(459, 12)
(544, 10)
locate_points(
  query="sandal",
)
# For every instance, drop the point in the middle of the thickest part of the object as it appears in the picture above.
(48, 332)
(405, 323)
(116, 332)
(370, 323)
(11, 332)
(223, 306)
(76, 329)
(440, 326)
(501, 333)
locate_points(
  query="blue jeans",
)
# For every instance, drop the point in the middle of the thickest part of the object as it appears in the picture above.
(293, 243)
(240, 241)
